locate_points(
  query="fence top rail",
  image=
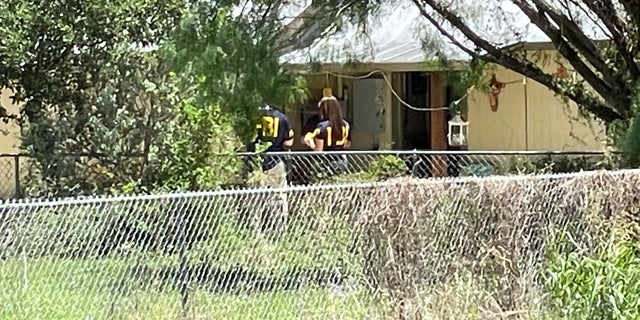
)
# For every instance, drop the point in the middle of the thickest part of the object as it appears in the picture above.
(428, 152)
(14, 204)
(377, 152)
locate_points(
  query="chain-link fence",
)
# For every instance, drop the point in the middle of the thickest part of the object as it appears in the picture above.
(412, 249)
(10, 168)
(22, 176)
(306, 168)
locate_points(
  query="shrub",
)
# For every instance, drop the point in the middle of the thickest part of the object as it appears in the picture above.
(389, 166)
(420, 235)
(603, 286)
(557, 164)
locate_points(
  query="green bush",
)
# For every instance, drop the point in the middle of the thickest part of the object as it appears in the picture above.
(603, 286)
(389, 166)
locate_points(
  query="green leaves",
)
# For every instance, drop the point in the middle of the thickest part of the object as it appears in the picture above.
(69, 62)
(235, 60)
(603, 286)
(139, 118)
(626, 133)
(50, 48)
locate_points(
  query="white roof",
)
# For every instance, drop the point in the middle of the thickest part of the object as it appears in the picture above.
(397, 35)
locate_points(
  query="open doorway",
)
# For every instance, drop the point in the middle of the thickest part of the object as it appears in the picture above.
(415, 124)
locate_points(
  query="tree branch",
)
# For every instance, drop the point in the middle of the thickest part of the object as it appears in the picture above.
(596, 20)
(604, 89)
(526, 68)
(576, 37)
(606, 13)
(632, 7)
(443, 31)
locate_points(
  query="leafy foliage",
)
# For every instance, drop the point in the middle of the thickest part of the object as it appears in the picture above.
(100, 114)
(236, 63)
(474, 74)
(53, 52)
(195, 151)
(604, 286)
(71, 66)
(387, 167)
(125, 118)
(627, 134)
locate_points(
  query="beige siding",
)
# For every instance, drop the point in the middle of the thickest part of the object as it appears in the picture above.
(9, 143)
(9, 132)
(536, 121)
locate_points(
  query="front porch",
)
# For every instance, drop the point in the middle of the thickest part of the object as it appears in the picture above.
(373, 104)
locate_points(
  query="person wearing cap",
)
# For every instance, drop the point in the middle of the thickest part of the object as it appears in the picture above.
(275, 129)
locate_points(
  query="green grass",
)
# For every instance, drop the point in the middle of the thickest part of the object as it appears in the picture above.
(131, 284)
(106, 289)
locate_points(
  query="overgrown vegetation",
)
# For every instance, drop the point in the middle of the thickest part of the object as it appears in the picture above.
(481, 236)
(601, 286)
(115, 102)
(473, 249)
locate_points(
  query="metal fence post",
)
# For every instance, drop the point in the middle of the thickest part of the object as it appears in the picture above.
(16, 173)
(184, 263)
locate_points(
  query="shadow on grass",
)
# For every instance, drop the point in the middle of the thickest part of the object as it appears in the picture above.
(236, 279)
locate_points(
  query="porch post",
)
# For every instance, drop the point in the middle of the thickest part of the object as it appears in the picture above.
(438, 124)
(386, 138)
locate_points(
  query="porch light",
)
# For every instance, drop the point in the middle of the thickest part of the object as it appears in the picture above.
(457, 134)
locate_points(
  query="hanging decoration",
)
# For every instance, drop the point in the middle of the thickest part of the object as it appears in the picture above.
(495, 87)
(561, 72)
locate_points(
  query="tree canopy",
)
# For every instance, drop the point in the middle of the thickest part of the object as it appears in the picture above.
(139, 91)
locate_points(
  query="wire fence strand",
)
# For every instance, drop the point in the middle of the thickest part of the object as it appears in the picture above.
(405, 248)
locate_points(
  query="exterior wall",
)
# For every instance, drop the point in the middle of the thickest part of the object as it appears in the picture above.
(9, 144)
(529, 117)
(9, 132)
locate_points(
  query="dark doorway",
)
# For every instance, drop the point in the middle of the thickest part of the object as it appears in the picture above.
(415, 123)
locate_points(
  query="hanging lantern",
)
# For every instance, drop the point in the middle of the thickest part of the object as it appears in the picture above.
(457, 134)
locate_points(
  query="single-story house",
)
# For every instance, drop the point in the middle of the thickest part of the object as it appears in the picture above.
(396, 99)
